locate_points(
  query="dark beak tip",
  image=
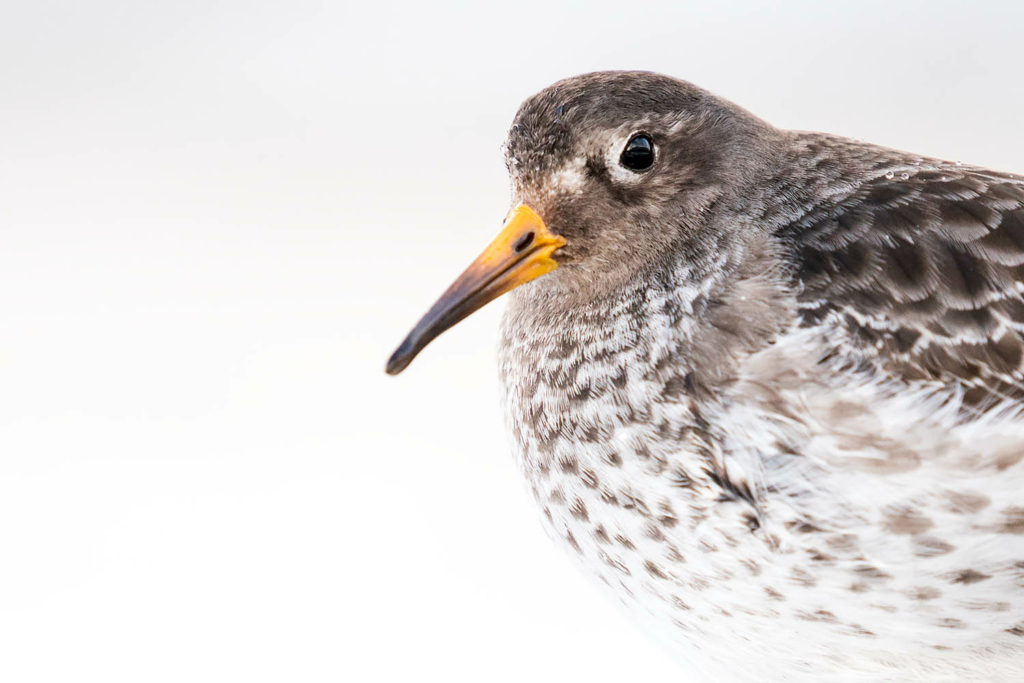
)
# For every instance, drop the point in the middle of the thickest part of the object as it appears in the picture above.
(396, 364)
(402, 356)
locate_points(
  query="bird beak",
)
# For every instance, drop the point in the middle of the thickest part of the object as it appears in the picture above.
(521, 252)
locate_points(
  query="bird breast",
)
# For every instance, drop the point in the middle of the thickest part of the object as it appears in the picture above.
(796, 512)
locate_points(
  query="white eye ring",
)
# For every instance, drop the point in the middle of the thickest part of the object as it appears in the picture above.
(613, 159)
(638, 155)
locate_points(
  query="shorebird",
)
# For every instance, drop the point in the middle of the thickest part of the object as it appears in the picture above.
(765, 385)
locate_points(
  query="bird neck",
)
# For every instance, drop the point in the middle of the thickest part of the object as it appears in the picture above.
(647, 354)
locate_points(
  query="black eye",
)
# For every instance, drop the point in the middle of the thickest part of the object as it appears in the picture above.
(639, 153)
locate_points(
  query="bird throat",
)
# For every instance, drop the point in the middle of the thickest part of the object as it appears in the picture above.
(632, 367)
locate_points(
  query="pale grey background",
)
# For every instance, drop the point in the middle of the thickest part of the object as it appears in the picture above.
(218, 218)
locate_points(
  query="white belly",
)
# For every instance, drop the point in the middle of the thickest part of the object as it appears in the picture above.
(885, 541)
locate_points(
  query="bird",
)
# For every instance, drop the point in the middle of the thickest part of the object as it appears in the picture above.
(764, 385)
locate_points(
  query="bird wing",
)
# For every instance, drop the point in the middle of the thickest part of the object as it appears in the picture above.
(923, 271)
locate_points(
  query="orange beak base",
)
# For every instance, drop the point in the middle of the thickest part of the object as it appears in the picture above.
(521, 252)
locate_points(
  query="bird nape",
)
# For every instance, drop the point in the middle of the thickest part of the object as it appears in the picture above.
(765, 385)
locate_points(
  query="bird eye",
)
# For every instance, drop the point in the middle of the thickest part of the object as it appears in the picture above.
(639, 153)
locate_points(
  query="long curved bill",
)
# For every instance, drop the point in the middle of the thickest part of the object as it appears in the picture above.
(520, 253)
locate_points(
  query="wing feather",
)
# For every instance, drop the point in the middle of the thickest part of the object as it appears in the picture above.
(924, 271)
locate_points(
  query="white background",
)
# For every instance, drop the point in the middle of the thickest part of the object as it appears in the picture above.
(216, 221)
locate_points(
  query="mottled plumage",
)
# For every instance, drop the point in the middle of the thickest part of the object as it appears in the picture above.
(765, 385)
(771, 397)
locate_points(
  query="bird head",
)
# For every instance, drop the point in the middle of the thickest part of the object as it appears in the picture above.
(610, 171)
